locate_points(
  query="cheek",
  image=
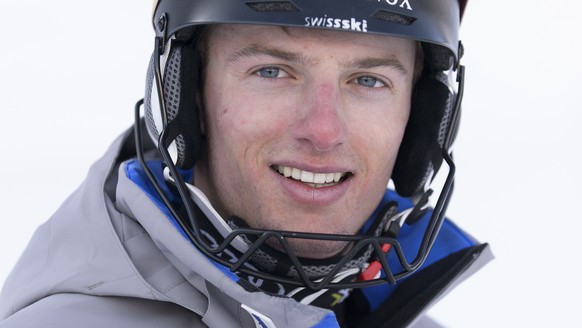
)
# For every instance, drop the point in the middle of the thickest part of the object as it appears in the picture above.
(240, 130)
(380, 129)
(229, 106)
(225, 117)
(378, 137)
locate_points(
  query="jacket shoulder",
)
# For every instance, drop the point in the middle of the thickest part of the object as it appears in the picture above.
(78, 310)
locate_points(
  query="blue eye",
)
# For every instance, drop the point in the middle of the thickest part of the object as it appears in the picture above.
(269, 72)
(369, 82)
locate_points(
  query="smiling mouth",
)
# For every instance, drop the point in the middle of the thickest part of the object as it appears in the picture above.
(314, 180)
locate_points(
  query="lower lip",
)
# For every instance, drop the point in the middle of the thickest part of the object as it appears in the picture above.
(306, 195)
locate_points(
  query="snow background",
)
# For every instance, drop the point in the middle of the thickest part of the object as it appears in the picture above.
(71, 72)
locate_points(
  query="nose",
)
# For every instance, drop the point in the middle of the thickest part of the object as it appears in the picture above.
(321, 124)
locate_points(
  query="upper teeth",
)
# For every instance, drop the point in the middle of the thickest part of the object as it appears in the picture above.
(309, 177)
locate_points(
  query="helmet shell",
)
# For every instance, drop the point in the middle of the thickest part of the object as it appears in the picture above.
(433, 22)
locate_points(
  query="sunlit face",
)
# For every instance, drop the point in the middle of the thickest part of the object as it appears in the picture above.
(303, 127)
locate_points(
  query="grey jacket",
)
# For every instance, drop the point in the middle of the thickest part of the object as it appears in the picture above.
(109, 257)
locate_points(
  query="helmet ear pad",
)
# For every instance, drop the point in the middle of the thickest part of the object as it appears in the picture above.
(420, 154)
(180, 84)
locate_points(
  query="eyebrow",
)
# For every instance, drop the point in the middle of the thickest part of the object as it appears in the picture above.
(372, 62)
(255, 50)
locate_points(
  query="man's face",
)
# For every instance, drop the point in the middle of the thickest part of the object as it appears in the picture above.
(303, 127)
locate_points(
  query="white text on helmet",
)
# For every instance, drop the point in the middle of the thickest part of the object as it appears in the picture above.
(345, 24)
(395, 3)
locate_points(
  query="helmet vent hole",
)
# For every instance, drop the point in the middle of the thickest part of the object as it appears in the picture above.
(393, 17)
(272, 6)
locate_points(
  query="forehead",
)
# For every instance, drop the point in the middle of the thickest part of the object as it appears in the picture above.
(239, 34)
